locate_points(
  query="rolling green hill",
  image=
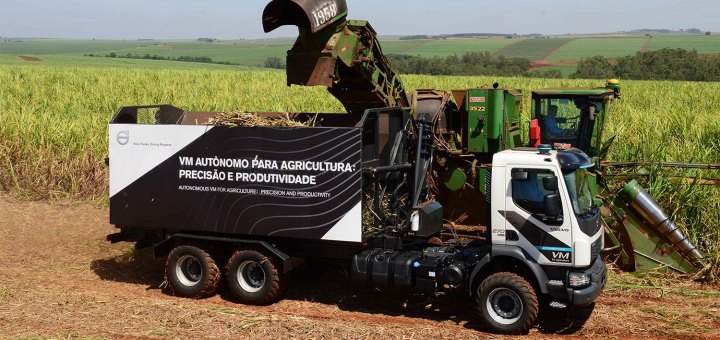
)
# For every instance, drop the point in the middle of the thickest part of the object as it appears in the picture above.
(605, 46)
(554, 53)
(533, 49)
(69, 60)
(702, 43)
(444, 47)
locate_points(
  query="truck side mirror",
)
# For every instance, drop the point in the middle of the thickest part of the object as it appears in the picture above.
(519, 175)
(550, 183)
(553, 208)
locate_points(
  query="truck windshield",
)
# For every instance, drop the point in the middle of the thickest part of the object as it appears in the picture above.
(579, 189)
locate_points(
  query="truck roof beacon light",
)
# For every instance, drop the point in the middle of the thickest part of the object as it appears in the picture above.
(544, 149)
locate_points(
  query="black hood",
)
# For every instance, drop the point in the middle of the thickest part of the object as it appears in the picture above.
(574, 159)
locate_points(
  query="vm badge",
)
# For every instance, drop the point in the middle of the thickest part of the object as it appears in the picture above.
(123, 137)
(561, 256)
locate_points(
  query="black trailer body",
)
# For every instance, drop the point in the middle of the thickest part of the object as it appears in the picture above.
(261, 181)
(275, 184)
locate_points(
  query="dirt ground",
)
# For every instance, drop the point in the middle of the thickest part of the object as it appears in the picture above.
(61, 279)
(28, 58)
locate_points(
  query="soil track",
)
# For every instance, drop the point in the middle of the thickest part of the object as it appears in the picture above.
(534, 65)
(60, 278)
(29, 58)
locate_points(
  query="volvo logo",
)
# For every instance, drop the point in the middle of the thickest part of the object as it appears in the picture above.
(123, 137)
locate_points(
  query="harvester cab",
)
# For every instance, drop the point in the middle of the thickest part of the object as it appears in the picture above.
(572, 117)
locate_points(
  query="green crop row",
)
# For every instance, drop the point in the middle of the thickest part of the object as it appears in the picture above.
(53, 125)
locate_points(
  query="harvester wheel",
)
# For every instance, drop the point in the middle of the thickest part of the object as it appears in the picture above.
(507, 303)
(191, 272)
(254, 278)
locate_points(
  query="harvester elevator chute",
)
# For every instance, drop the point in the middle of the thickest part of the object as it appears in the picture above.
(342, 55)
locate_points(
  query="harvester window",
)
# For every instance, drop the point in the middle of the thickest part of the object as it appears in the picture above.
(528, 191)
(560, 118)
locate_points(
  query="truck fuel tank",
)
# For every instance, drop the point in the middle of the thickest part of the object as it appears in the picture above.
(383, 267)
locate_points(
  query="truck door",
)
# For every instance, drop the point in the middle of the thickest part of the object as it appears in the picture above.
(537, 217)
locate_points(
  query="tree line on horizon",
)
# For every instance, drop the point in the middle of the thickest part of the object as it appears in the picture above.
(191, 59)
(468, 64)
(663, 64)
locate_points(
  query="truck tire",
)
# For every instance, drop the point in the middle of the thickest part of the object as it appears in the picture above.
(191, 272)
(254, 278)
(507, 303)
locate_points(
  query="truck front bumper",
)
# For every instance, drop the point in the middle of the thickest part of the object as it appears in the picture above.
(587, 295)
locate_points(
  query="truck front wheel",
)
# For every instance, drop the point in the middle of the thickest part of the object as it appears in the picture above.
(191, 272)
(254, 278)
(507, 303)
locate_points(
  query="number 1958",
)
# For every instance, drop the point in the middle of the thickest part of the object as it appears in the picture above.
(325, 13)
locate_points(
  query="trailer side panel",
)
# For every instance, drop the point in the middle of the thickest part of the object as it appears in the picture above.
(264, 181)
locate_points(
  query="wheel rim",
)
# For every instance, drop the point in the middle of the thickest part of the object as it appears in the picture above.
(251, 276)
(189, 270)
(504, 306)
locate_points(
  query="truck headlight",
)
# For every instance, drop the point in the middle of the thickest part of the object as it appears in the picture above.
(579, 280)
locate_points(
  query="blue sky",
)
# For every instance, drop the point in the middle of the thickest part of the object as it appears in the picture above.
(225, 19)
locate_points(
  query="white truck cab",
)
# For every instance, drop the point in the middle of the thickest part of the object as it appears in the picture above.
(544, 206)
(544, 225)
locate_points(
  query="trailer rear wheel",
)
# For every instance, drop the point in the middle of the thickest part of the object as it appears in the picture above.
(191, 272)
(254, 278)
(507, 303)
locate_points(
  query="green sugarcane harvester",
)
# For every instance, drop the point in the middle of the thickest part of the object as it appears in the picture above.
(470, 125)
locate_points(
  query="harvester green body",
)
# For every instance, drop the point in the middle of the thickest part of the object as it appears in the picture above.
(345, 56)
